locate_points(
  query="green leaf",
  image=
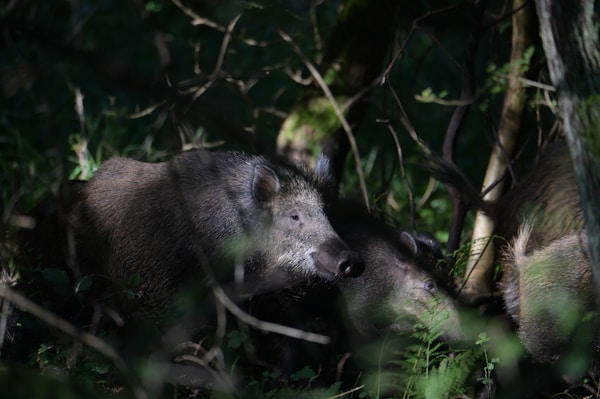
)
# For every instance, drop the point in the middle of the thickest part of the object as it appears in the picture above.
(234, 339)
(305, 374)
(101, 368)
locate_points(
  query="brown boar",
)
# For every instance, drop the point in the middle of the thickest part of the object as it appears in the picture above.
(546, 271)
(400, 285)
(549, 293)
(154, 220)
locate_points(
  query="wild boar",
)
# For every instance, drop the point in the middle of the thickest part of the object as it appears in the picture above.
(549, 293)
(399, 285)
(157, 221)
(546, 271)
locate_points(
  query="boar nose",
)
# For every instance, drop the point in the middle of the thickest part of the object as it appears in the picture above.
(350, 264)
(334, 257)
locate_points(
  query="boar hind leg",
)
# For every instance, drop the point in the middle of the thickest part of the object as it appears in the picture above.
(548, 293)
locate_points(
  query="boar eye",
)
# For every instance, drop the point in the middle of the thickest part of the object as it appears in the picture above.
(295, 219)
(430, 286)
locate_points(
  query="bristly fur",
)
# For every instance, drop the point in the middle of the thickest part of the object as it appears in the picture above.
(512, 256)
(160, 220)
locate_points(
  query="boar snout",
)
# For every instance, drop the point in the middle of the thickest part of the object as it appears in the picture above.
(335, 257)
(350, 264)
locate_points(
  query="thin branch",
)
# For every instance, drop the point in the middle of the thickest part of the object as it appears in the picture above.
(415, 27)
(265, 325)
(446, 103)
(527, 82)
(411, 196)
(406, 122)
(225, 44)
(197, 20)
(342, 394)
(319, 79)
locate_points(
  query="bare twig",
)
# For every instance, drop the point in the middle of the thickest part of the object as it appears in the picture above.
(265, 325)
(406, 122)
(197, 20)
(431, 186)
(526, 82)
(225, 44)
(411, 196)
(296, 76)
(414, 28)
(349, 391)
(340, 365)
(447, 103)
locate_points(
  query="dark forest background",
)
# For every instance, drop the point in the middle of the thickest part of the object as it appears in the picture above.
(86, 81)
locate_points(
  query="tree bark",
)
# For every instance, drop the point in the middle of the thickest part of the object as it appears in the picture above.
(570, 36)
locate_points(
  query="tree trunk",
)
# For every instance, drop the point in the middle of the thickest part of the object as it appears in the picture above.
(480, 266)
(570, 35)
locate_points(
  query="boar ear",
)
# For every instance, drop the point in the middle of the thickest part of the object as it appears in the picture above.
(323, 171)
(410, 242)
(265, 183)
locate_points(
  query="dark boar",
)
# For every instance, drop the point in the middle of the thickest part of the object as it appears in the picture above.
(546, 273)
(397, 289)
(547, 199)
(543, 252)
(151, 220)
(399, 284)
